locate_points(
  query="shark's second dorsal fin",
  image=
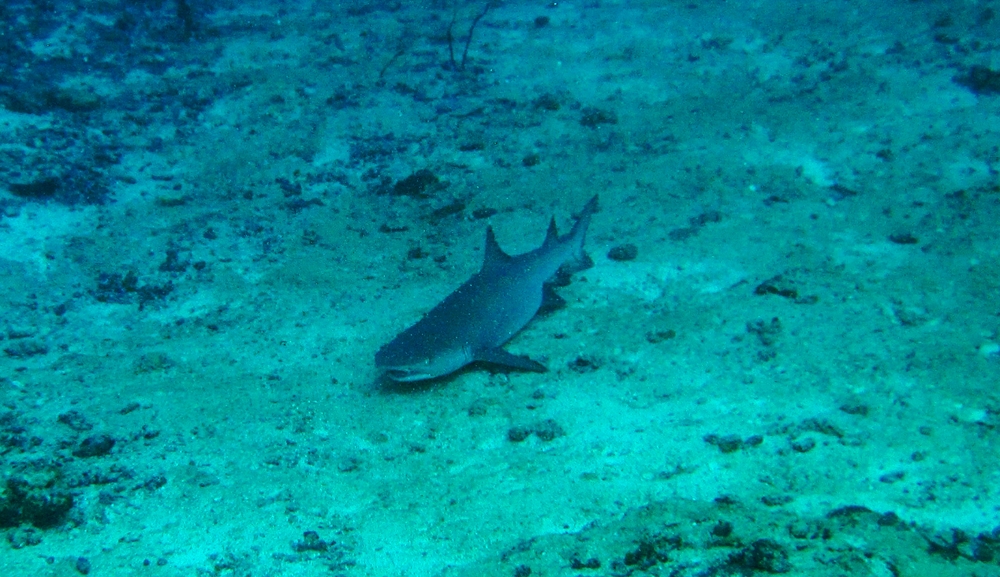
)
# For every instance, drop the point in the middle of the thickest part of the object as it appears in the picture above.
(552, 235)
(495, 256)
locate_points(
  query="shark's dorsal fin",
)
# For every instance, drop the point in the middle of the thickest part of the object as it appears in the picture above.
(495, 256)
(552, 235)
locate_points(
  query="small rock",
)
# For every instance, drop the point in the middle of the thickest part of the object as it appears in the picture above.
(762, 555)
(623, 252)
(722, 529)
(75, 420)
(23, 537)
(725, 443)
(94, 446)
(548, 430)
(420, 184)
(803, 445)
(518, 434)
(987, 350)
(903, 238)
(311, 542)
(592, 117)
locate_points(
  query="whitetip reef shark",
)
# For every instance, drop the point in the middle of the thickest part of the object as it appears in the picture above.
(472, 323)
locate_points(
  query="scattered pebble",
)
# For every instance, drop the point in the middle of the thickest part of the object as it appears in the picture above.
(988, 350)
(623, 252)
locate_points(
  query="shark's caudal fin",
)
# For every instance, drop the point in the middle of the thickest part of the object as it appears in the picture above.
(580, 261)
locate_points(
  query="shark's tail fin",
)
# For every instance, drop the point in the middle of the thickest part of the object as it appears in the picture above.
(576, 236)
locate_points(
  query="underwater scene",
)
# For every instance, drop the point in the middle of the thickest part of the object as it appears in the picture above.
(500, 288)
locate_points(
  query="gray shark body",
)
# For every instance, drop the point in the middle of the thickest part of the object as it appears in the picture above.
(472, 323)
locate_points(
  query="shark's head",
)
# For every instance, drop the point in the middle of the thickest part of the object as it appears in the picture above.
(402, 364)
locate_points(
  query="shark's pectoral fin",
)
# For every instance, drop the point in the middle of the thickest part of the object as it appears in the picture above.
(551, 301)
(502, 357)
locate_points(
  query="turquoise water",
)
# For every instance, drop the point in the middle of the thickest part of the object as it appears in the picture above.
(784, 359)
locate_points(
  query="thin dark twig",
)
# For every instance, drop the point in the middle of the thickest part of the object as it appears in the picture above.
(403, 45)
(468, 39)
(451, 37)
(395, 57)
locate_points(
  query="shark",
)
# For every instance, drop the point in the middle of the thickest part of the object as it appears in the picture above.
(473, 323)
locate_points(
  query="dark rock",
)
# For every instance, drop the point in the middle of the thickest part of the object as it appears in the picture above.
(584, 365)
(311, 542)
(416, 253)
(297, 205)
(95, 446)
(23, 537)
(548, 430)
(73, 99)
(725, 443)
(10, 512)
(518, 434)
(153, 293)
(547, 102)
(481, 213)
(173, 262)
(766, 331)
(855, 409)
(348, 464)
(822, 426)
(42, 189)
(652, 550)
(97, 476)
(45, 508)
(592, 117)
(986, 546)
(840, 192)
(762, 555)
(777, 286)
(679, 234)
(980, 80)
(849, 511)
(24, 349)
(803, 445)
(722, 529)
(893, 477)
(947, 544)
(623, 252)
(452, 208)
(418, 185)
(75, 420)
(658, 336)
(590, 563)
(776, 500)
(153, 362)
(131, 407)
(115, 288)
(154, 483)
(888, 519)
(707, 217)
(903, 238)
